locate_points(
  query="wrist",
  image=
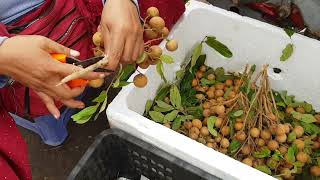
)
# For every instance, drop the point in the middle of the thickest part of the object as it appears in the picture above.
(3, 61)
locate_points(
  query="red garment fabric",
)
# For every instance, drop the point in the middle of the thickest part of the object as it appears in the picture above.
(71, 23)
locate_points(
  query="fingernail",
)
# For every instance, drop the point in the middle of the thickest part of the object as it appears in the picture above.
(56, 116)
(81, 106)
(74, 53)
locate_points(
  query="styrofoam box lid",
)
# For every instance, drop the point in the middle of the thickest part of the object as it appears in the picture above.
(252, 42)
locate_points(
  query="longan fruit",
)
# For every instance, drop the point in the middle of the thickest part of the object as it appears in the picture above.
(281, 138)
(98, 52)
(167, 125)
(238, 126)
(316, 145)
(248, 161)
(209, 139)
(199, 74)
(289, 110)
(286, 173)
(299, 143)
(272, 117)
(229, 82)
(204, 131)
(300, 110)
(194, 130)
(205, 122)
(97, 39)
(220, 109)
(273, 145)
(157, 23)
(283, 149)
(219, 93)
(239, 120)
(187, 124)
(317, 116)
(202, 140)
(197, 123)
(255, 132)
(218, 139)
(140, 80)
(96, 83)
(172, 45)
(280, 130)
(241, 136)
(223, 150)
(144, 65)
(205, 88)
(206, 105)
(224, 143)
(210, 94)
(238, 82)
(225, 130)
(211, 77)
(220, 99)
(287, 127)
(299, 131)
(199, 88)
(165, 32)
(155, 52)
(152, 11)
(260, 142)
(150, 34)
(200, 96)
(225, 88)
(206, 113)
(194, 82)
(265, 134)
(153, 61)
(246, 150)
(193, 136)
(273, 129)
(302, 157)
(218, 123)
(231, 95)
(210, 145)
(203, 68)
(219, 86)
(315, 171)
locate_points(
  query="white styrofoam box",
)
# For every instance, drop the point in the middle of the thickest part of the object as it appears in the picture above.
(251, 42)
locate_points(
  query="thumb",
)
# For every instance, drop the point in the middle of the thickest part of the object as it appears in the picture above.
(54, 47)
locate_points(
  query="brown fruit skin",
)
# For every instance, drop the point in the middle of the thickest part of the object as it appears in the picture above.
(286, 173)
(211, 77)
(302, 157)
(300, 110)
(210, 145)
(199, 74)
(229, 82)
(248, 161)
(206, 112)
(187, 125)
(167, 125)
(202, 140)
(152, 11)
(317, 116)
(200, 96)
(238, 126)
(193, 136)
(283, 150)
(265, 134)
(210, 94)
(150, 34)
(281, 138)
(140, 80)
(197, 123)
(299, 143)
(316, 145)
(241, 136)
(96, 83)
(157, 23)
(272, 117)
(219, 86)
(144, 65)
(218, 123)
(206, 105)
(204, 131)
(194, 82)
(280, 130)
(287, 127)
(205, 122)
(260, 142)
(203, 68)
(232, 95)
(97, 39)
(220, 99)
(273, 145)
(165, 32)
(246, 150)
(98, 52)
(224, 143)
(155, 52)
(255, 132)
(225, 130)
(217, 139)
(220, 109)
(194, 130)
(289, 110)
(172, 45)
(219, 93)
(315, 171)
(299, 131)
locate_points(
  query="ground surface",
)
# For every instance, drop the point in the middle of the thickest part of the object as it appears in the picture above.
(55, 163)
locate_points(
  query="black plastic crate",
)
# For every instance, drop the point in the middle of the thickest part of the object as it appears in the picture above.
(117, 154)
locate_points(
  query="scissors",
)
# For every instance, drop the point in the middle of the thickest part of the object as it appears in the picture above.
(85, 63)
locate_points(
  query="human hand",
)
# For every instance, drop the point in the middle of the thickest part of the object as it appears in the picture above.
(27, 60)
(122, 32)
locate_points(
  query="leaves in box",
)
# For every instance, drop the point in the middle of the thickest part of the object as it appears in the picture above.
(170, 116)
(236, 114)
(226, 94)
(164, 105)
(177, 123)
(292, 136)
(292, 152)
(219, 47)
(175, 97)
(201, 60)
(196, 111)
(206, 82)
(156, 116)
(289, 31)
(142, 58)
(148, 106)
(160, 109)
(306, 118)
(195, 55)
(160, 71)
(166, 59)
(234, 146)
(210, 123)
(265, 152)
(264, 169)
(277, 156)
(163, 92)
(287, 52)
(311, 128)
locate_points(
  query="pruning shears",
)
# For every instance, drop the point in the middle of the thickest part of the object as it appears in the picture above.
(63, 58)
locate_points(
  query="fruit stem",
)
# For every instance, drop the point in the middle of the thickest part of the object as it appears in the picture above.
(152, 40)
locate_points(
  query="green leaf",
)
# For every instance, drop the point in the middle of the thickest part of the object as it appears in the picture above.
(306, 118)
(287, 52)
(101, 97)
(292, 151)
(128, 70)
(196, 111)
(171, 116)
(166, 59)
(142, 58)
(206, 82)
(292, 136)
(195, 55)
(188, 117)
(160, 71)
(219, 47)
(123, 84)
(264, 169)
(180, 74)
(307, 107)
(311, 128)
(265, 152)
(210, 123)
(219, 71)
(281, 104)
(156, 116)
(226, 94)
(289, 32)
(162, 92)
(164, 105)
(84, 115)
(177, 123)
(237, 113)
(234, 146)
(148, 106)
(117, 82)
(277, 156)
(160, 109)
(175, 97)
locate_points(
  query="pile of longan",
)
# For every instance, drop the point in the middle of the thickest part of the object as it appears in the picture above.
(154, 30)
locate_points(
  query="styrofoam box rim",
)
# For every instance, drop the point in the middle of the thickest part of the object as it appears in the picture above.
(218, 164)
